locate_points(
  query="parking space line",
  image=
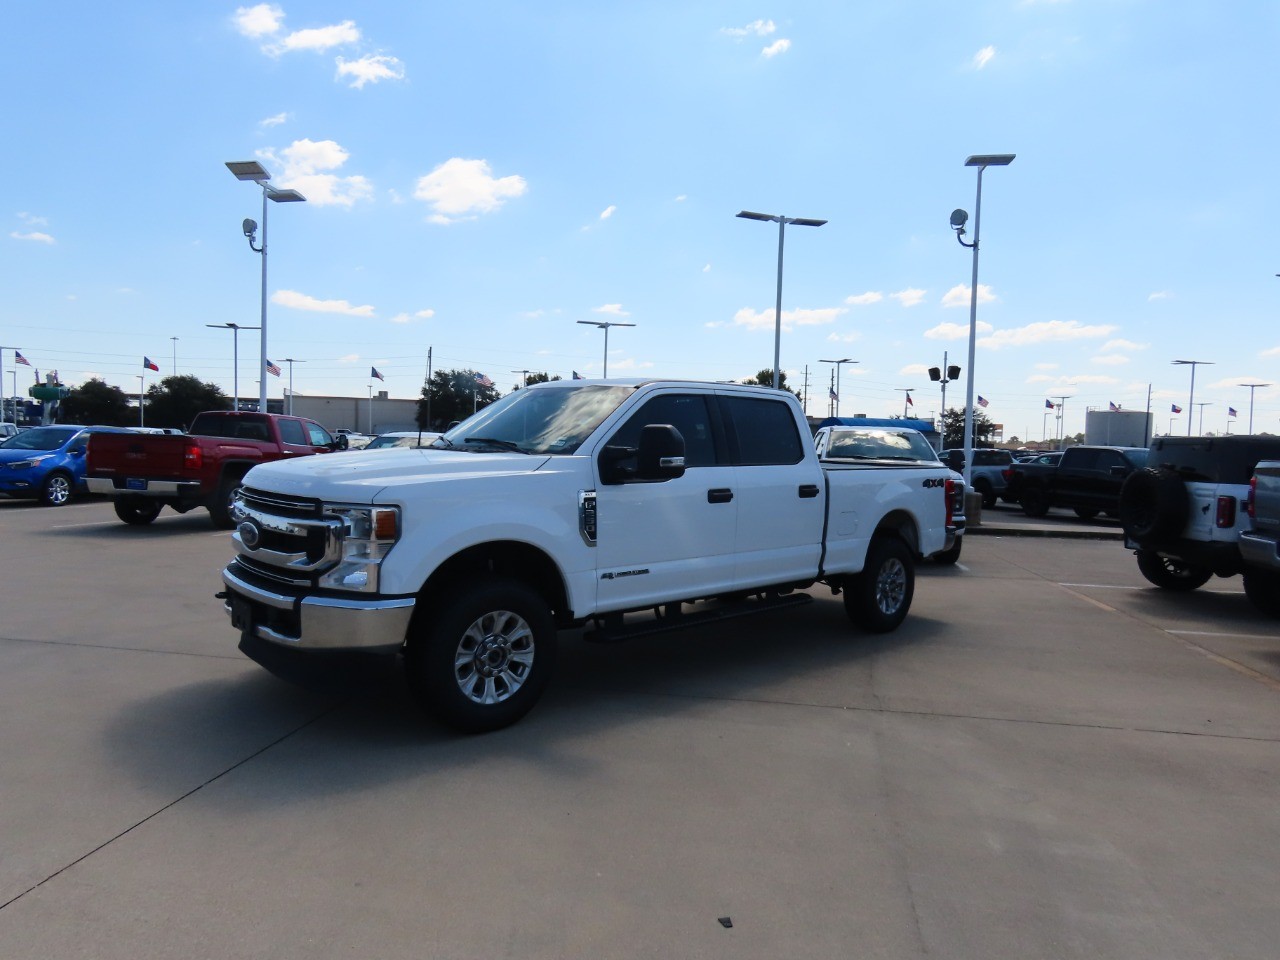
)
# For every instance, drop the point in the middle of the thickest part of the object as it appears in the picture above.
(1238, 636)
(1100, 586)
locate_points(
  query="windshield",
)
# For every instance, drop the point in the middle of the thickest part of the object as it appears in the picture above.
(550, 420)
(41, 438)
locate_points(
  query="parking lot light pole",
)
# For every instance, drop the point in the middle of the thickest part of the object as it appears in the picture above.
(958, 220)
(235, 329)
(1191, 402)
(1252, 387)
(141, 384)
(290, 361)
(777, 309)
(604, 325)
(252, 170)
(839, 364)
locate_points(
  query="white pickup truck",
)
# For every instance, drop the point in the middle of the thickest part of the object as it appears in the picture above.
(571, 504)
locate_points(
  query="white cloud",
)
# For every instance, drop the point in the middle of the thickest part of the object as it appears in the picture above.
(764, 319)
(1110, 360)
(1046, 331)
(955, 331)
(961, 294)
(862, 299)
(460, 187)
(260, 21)
(1112, 345)
(844, 337)
(275, 121)
(34, 235)
(318, 39)
(614, 309)
(31, 220)
(1039, 378)
(912, 296)
(410, 317)
(983, 57)
(1046, 366)
(707, 268)
(756, 28)
(775, 48)
(349, 358)
(304, 162)
(913, 369)
(607, 212)
(682, 198)
(370, 68)
(1159, 295)
(1271, 352)
(300, 301)
(425, 314)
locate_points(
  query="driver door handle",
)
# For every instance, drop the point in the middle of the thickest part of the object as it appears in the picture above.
(719, 495)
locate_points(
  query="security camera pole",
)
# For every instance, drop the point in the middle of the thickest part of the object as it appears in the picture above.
(252, 170)
(958, 219)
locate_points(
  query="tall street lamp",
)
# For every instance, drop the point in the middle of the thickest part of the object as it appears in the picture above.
(605, 325)
(1191, 402)
(175, 355)
(141, 384)
(290, 361)
(1062, 423)
(1202, 404)
(235, 329)
(777, 310)
(839, 364)
(252, 170)
(14, 403)
(958, 220)
(1252, 387)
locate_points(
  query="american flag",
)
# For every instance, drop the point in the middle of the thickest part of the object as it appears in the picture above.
(1114, 407)
(19, 358)
(982, 401)
(1231, 412)
(483, 380)
(833, 395)
(578, 376)
(273, 369)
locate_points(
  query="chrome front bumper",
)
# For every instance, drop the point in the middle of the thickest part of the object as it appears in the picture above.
(317, 623)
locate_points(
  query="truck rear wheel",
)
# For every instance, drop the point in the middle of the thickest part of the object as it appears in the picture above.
(1170, 574)
(136, 511)
(1263, 590)
(878, 598)
(1035, 503)
(220, 506)
(481, 662)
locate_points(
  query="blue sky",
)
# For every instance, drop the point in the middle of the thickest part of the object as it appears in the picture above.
(479, 177)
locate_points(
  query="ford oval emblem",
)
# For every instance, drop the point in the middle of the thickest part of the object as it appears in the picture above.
(249, 534)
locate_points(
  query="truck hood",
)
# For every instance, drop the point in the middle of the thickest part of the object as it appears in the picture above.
(359, 476)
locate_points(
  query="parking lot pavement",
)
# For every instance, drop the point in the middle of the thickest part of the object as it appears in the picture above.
(1049, 759)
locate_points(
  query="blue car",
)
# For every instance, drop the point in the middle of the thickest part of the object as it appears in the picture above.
(47, 462)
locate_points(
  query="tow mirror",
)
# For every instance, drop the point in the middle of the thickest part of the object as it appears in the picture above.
(661, 453)
(340, 442)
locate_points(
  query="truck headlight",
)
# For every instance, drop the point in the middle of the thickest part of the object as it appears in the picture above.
(368, 536)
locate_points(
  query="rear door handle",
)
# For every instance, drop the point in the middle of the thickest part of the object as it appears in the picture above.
(719, 495)
(808, 491)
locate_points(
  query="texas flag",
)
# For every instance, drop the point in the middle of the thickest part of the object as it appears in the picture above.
(1175, 408)
(1048, 405)
(19, 358)
(373, 372)
(273, 369)
(148, 365)
(982, 401)
(1231, 412)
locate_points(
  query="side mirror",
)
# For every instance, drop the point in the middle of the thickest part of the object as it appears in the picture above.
(340, 442)
(661, 453)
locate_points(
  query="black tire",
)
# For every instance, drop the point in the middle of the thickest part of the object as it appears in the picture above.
(1263, 590)
(481, 661)
(983, 486)
(1086, 513)
(1154, 505)
(220, 506)
(948, 557)
(877, 599)
(1034, 502)
(57, 490)
(1169, 574)
(137, 511)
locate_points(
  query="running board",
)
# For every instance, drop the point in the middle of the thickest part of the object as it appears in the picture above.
(612, 628)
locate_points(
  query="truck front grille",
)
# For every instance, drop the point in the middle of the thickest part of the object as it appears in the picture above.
(288, 539)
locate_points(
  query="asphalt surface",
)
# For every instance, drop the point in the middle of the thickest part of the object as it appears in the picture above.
(1049, 759)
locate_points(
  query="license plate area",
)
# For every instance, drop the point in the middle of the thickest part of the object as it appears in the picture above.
(241, 615)
(135, 483)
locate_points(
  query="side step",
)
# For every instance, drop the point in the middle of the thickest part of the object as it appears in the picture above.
(613, 628)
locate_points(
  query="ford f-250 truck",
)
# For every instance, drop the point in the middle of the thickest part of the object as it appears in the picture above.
(1260, 544)
(568, 504)
(143, 473)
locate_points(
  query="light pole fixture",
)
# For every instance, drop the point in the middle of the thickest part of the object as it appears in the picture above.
(175, 355)
(235, 329)
(906, 399)
(777, 309)
(605, 325)
(839, 364)
(943, 375)
(958, 220)
(524, 377)
(1191, 402)
(371, 409)
(141, 415)
(253, 170)
(1202, 404)
(290, 361)
(1062, 423)
(1252, 387)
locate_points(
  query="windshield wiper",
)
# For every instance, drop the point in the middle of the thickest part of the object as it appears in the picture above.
(502, 444)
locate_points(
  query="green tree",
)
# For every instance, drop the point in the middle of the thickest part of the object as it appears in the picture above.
(175, 401)
(452, 395)
(97, 402)
(765, 379)
(953, 429)
(540, 378)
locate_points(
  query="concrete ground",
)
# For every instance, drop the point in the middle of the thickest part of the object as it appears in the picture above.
(1049, 759)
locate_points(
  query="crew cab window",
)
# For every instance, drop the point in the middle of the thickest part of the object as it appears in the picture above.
(319, 437)
(1080, 459)
(765, 431)
(291, 432)
(687, 413)
(1108, 459)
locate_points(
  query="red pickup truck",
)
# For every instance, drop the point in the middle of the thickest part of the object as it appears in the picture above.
(203, 468)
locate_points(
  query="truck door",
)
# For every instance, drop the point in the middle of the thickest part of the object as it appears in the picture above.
(779, 495)
(672, 538)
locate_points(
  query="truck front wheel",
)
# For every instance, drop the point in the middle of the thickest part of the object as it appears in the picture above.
(878, 598)
(481, 661)
(220, 506)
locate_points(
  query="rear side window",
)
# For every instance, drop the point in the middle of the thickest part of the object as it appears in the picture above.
(291, 432)
(765, 431)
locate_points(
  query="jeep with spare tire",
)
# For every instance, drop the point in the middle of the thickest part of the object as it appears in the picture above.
(1184, 512)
